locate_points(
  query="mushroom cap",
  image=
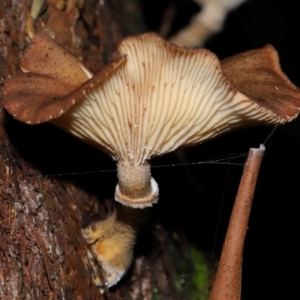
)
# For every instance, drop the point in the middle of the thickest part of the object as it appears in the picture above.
(51, 73)
(152, 99)
(257, 74)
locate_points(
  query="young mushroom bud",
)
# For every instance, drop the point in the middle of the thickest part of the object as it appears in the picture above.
(152, 99)
(112, 241)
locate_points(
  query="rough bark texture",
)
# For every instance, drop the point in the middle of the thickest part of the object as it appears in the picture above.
(41, 246)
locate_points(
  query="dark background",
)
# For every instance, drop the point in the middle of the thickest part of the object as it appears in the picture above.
(191, 197)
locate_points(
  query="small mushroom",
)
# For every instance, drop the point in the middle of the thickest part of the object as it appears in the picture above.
(204, 24)
(152, 99)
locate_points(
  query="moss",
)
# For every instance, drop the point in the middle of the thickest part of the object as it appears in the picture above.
(194, 278)
(155, 295)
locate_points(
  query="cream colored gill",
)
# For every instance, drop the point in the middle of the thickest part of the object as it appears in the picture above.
(161, 98)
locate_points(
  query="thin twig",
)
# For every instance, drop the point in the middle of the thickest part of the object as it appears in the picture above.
(227, 284)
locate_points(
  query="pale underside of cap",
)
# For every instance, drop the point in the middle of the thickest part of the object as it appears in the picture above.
(164, 97)
(156, 97)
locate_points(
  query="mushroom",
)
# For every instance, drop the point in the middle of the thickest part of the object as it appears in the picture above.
(204, 24)
(152, 99)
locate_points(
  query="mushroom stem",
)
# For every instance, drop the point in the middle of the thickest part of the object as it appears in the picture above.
(112, 241)
(136, 187)
(227, 285)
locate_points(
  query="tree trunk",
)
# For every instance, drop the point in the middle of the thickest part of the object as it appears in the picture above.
(41, 246)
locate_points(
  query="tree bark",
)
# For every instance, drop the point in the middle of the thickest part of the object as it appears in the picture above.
(41, 246)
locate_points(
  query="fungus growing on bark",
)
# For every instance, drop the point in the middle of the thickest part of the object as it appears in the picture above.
(152, 99)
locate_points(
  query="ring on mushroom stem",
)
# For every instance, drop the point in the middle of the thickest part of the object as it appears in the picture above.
(152, 99)
(136, 186)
